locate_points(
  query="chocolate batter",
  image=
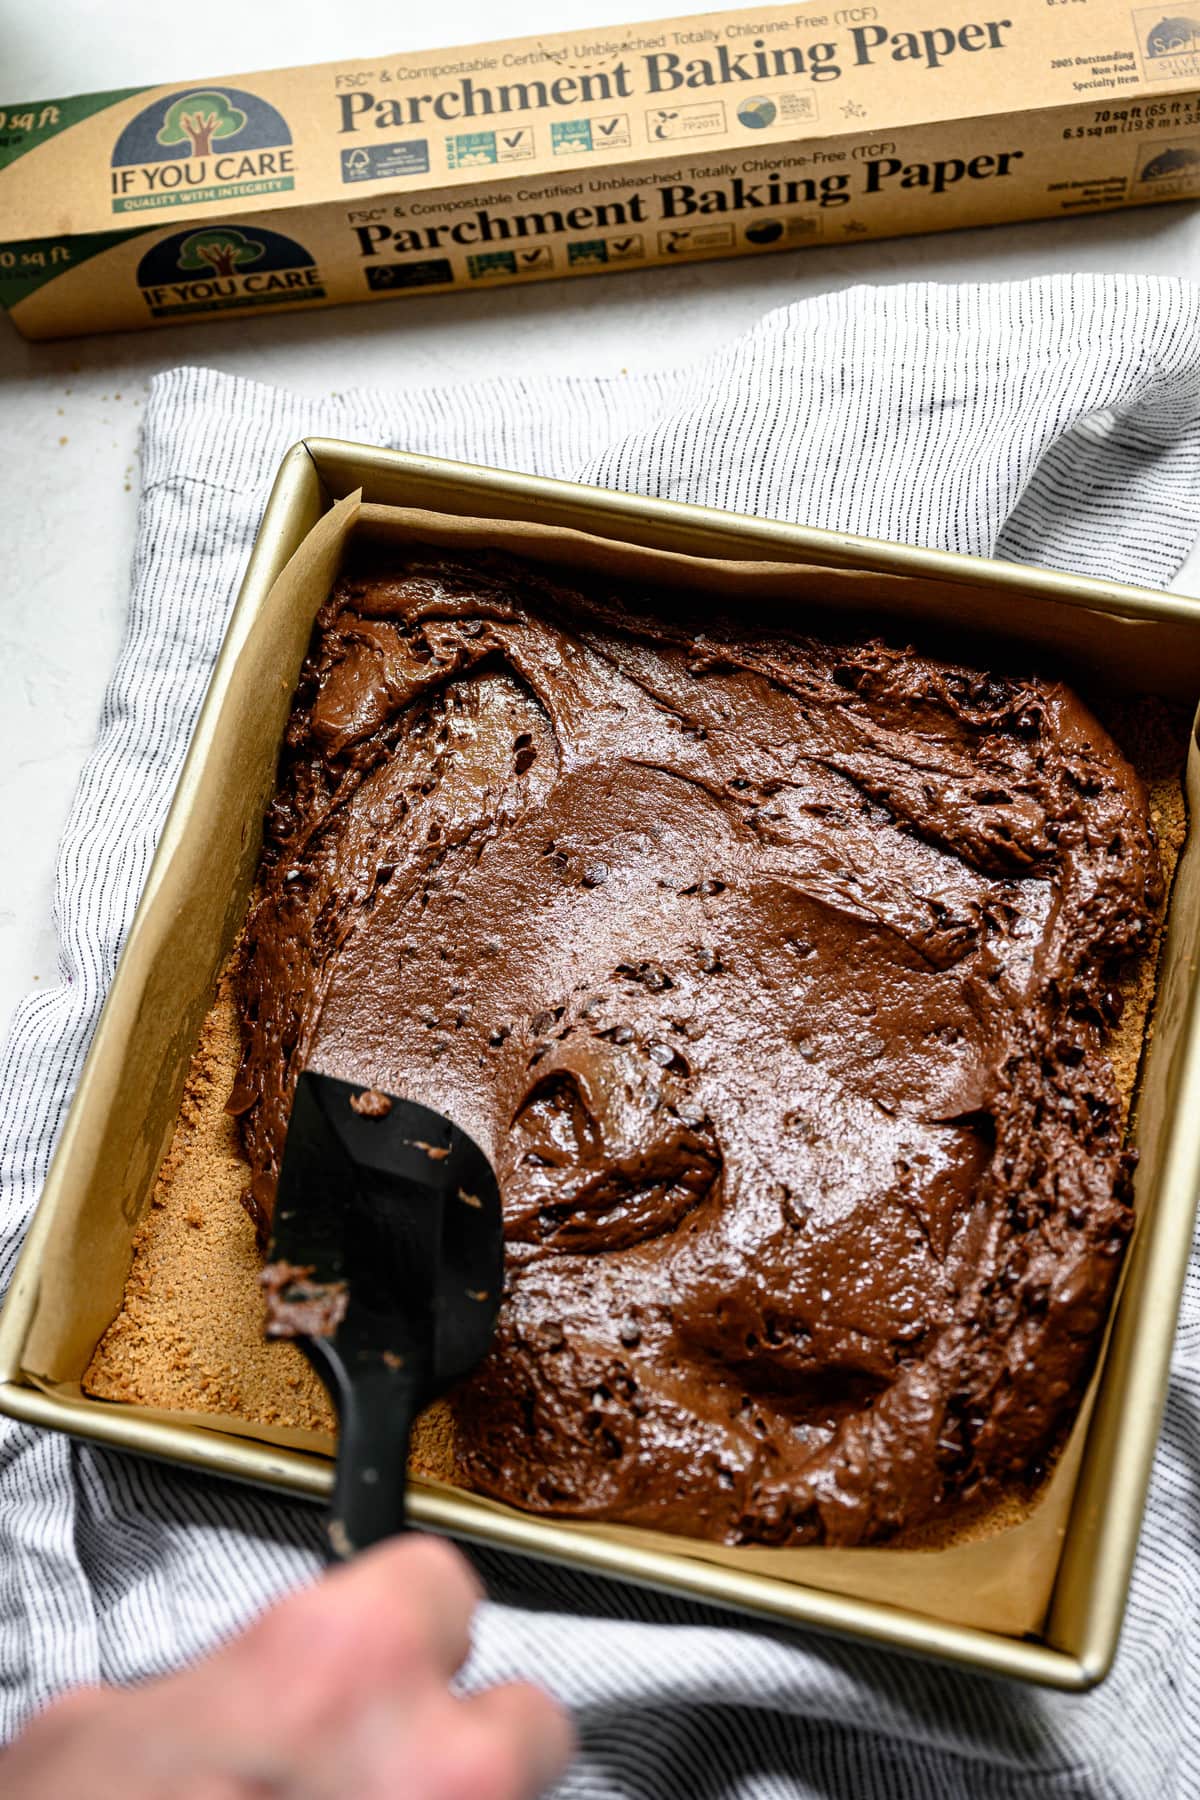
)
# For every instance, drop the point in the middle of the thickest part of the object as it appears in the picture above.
(773, 975)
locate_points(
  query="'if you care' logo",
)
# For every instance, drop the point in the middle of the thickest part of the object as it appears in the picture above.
(226, 268)
(199, 145)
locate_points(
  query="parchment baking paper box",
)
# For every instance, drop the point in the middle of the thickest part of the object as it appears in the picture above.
(723, 134)
(1041, 1599)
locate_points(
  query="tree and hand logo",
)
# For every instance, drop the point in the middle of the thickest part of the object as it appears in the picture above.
(201, 144)
(221, 251)
(226, 268)
(196, 119)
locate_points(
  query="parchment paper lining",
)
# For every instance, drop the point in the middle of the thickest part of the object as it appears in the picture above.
(1001, 1581)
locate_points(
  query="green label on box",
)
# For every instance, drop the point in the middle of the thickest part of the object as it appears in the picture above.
(23, 128)
(29, 263)
(235, 190)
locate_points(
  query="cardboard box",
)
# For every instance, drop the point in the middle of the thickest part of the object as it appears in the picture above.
(718, 135)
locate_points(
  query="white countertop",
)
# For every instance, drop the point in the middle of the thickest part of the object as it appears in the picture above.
(69, 412)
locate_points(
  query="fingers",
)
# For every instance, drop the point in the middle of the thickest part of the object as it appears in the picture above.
(339, 1691)
(509, 1743)
(527, 1734)
(395, 1621)
(417, 1594)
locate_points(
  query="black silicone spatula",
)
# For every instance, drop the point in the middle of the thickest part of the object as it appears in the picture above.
(386, 1264)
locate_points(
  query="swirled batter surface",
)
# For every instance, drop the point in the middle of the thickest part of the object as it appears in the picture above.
(773, 974)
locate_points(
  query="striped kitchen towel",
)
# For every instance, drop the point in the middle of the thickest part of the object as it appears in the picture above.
(1054, 422)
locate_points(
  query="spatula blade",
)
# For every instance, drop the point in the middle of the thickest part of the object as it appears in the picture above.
(387, 1264)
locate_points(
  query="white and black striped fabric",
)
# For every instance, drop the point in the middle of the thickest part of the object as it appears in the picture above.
(1056, 422)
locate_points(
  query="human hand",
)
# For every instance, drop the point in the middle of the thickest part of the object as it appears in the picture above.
(339, 1692)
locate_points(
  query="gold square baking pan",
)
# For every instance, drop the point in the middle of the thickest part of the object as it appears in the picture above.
(955, 1603)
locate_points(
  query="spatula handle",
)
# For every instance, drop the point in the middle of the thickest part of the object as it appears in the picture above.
(376, 1405)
